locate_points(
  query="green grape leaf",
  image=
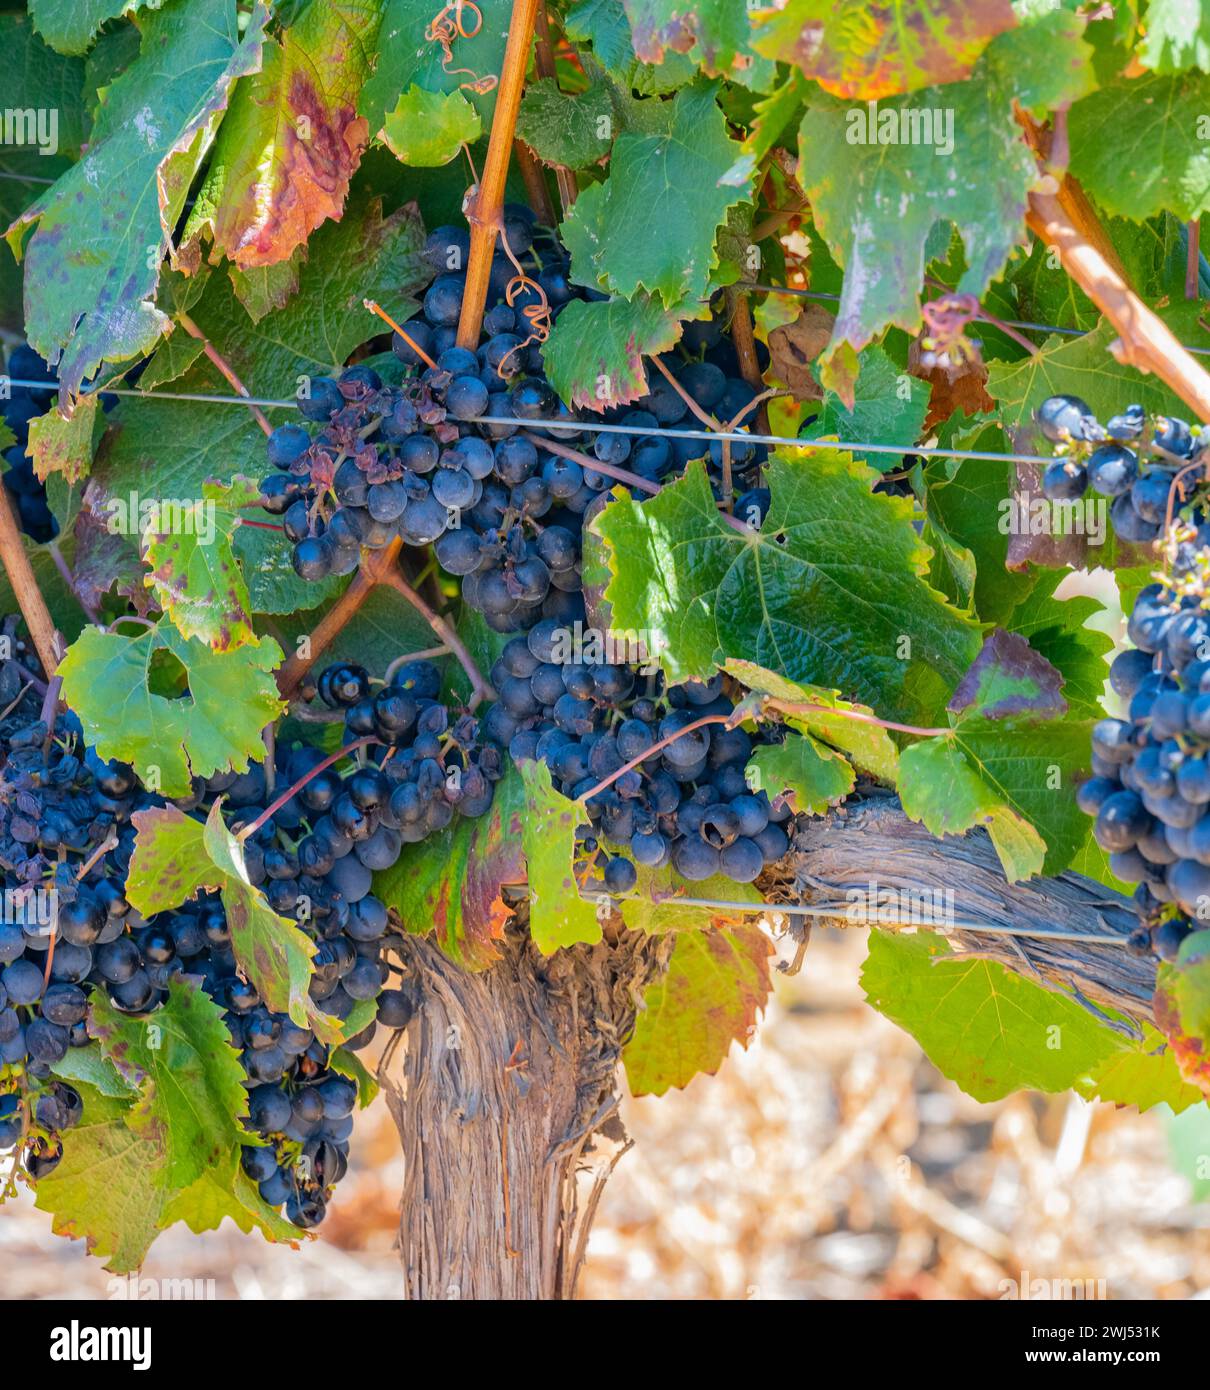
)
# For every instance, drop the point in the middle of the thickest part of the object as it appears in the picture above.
(658, 905)
(594, 355)
(1182, 1008)
(1058, 630)
(1141, 1075)
(263, 288)
(228, 1193)
(273, 584)
(662, 204)
(452, 883)
(988, 1029)
(429, 128)
(90, 1065)
(959, 157)
(58, 445)
(1189, 1146)
(1009, 678)
(171, 360)
(967, 506)
(168, 449)
(89, 277)
(566, 128)
(889, 406)
(1083, 366)
(716, 984)
(703, 592)
(196, 1094)
(110, 1186)
(863, 52)
(406, 58)
(716, 33)
(813, 774)
(1015, 778)
(193, 571)
(216, 726)
(866, 743)
(70, 26)
(603, 24)
(939, 787)
(46, 111)
(773, 114)
(1137, 146)
(292, 137)
(350, 1064)
(558, 915)
(175, 857)
(1177, 36)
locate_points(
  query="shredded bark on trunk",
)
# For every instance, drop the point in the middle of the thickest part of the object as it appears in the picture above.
(507, 1111)
(873, 840)
(504, 1085)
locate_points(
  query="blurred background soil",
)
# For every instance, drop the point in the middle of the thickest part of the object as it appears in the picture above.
(829, 1161)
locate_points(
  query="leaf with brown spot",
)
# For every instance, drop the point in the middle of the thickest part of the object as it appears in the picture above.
(1009, 678)
(193, 570)
(292, 139)
(451, 884)
(864, 51)
(715, 986)
(1182, 1008)
(106, 560)
(58, 444)
(794, 349)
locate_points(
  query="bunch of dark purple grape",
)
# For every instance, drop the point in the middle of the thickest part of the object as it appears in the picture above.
(1141, 464)
(66, 842)
(453, 456)
(1150, 789)
(688, 805)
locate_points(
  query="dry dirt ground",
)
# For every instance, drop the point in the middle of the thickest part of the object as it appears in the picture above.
(830, 1161)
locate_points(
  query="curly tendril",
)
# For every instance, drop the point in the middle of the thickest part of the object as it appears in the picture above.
(449, 25)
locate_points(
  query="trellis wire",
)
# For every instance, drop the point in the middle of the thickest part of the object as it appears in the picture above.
(843, 909)
(1009, 323)
(584, 426)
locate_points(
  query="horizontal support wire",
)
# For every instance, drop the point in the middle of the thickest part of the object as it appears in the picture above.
(585, 426)
(943, 928)
(1009, 323)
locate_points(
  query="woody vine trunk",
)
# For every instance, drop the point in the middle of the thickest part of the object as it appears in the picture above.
(504, 1090)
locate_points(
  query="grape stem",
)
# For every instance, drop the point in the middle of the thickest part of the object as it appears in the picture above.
(485, 207)
(744, 339)
(295, 787)
(552, 446)
(99, 853)
(375, 308)
(374, 565)
(480, 689)
(1065, 220)
(70, 580)
(25, 587)
(657, 747)
(544, 64)
(535, 183)
(426, 655)
(739, 714)
(225, 370)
